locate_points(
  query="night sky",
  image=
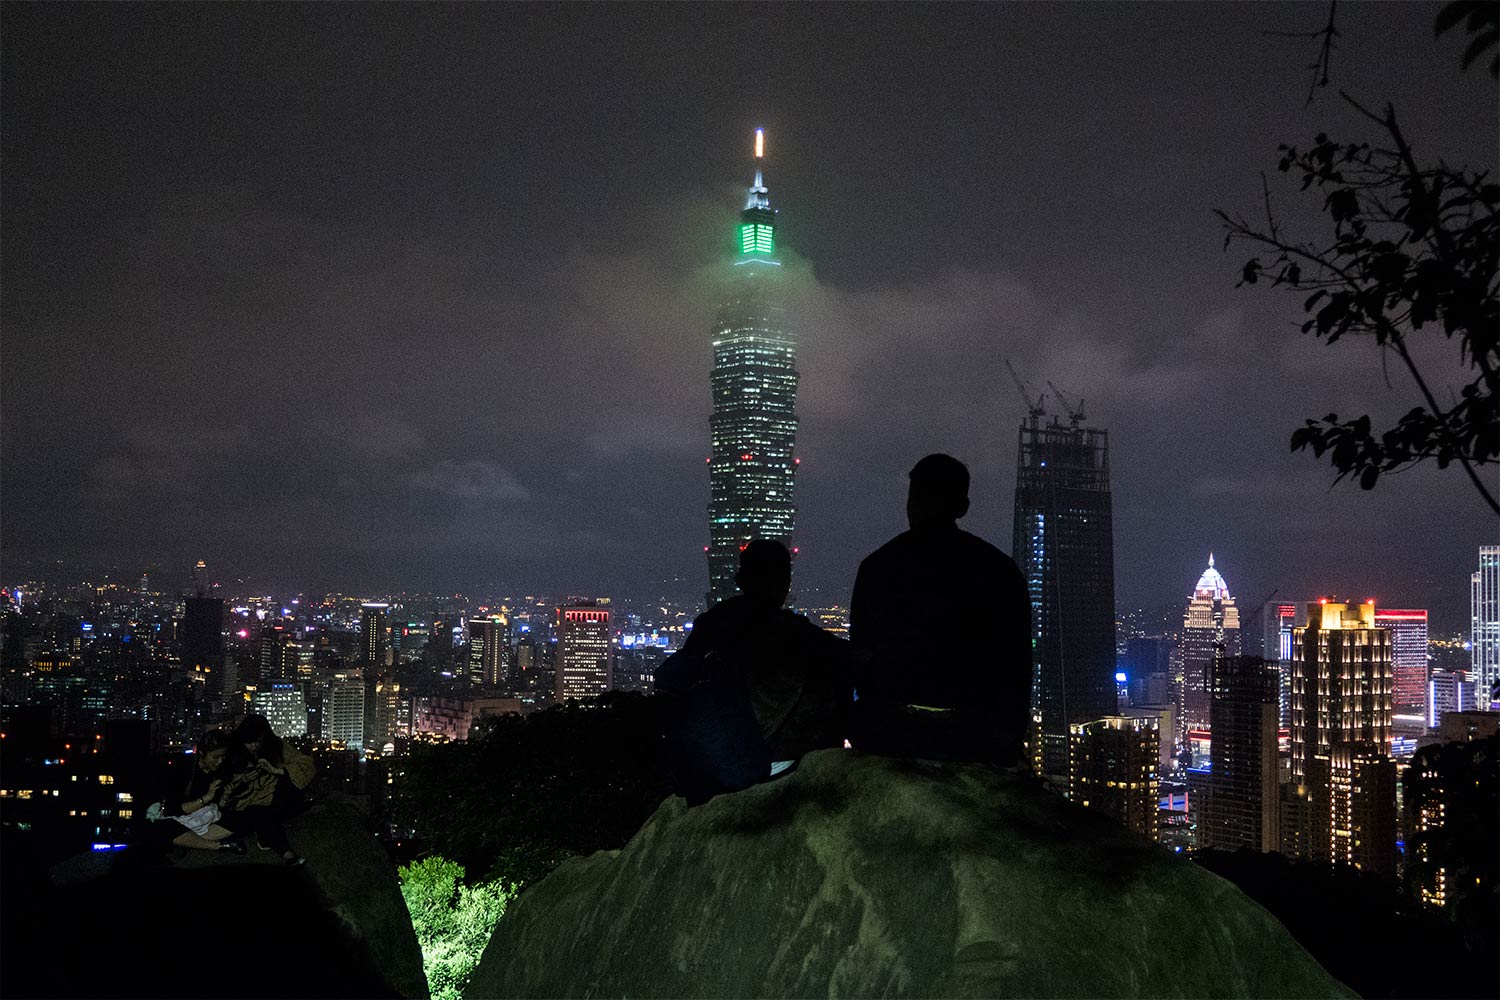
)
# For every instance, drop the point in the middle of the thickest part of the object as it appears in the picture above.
(419, 296)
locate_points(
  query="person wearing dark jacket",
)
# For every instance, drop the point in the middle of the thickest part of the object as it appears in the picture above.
(945, 619)
(800, 676)
(270, 784)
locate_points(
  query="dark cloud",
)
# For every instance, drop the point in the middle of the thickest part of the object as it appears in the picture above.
(420, 296)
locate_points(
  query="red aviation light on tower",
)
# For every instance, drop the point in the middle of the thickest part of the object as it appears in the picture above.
(760, 144)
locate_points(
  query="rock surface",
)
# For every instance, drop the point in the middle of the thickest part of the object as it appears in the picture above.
(206, 923)
(864, 876)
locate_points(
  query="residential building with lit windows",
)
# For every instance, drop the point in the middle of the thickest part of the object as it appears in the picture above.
(344, 711)
(1341, 736)
(1063, 541)
(1408, 656)
(753, 427)
(1113, 766)
(1278, 619)
(374, 631)
(584, 651)
(1484, 637)
(1448, 691)
(1210, 632)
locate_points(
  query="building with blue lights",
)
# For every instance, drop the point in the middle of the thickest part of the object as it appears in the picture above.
(1063, 542)
(753, 428)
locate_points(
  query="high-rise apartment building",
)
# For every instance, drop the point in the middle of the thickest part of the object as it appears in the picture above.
(1210, 633)
(344, 711)
(1484, 637)
(203, 649)
(1063, 542)
(489, 652)
(1243, 799)
(1341, 735)
(374, 632)
(1408, 627)
(1448, 691)
(583, 651)
(753, 428)
(1113, 766)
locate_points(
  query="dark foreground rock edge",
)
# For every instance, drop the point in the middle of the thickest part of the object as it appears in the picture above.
(865, 876)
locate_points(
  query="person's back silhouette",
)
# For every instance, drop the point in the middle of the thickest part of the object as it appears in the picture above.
(946, 620)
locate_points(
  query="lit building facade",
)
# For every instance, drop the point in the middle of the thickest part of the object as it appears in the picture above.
(583, 651)
(1243, 800)
(753, 427)
(344, 711)
(1341, 736)
(1113, 766)
(1063, 542)
(1408, 627)
(1484, 637)
(374, 632)
(284, 704)
(1210, 632)
(1278, 619)
(489, 652)
(1448, 691)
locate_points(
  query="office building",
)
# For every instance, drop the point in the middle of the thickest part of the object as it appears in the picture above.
(1063, 542)
(753, 427)
(1210, 632)
(1114, 767)
(344, 711)
(1448, 691)
(1484, 635)
(583, 651)
(1243, 802)
(284, 705)
(1408, 629)
(1278, 618)
(490, 655)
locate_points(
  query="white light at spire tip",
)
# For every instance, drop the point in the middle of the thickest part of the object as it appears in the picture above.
(760, 143)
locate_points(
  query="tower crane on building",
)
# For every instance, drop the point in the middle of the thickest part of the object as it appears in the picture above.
(1035, 411)
(1075, 413)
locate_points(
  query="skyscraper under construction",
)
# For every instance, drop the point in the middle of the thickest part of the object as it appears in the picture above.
(752, 470)
(1063, 542)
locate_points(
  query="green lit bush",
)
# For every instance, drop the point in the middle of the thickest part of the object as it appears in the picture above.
(453, 921)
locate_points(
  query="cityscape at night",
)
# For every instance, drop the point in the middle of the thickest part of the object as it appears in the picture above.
(720, 453)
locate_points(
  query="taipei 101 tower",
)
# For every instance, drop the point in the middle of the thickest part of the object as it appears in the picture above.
(752, 470)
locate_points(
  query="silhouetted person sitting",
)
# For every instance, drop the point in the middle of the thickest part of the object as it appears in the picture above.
(946, 620)
(269, 785)
(755, 686)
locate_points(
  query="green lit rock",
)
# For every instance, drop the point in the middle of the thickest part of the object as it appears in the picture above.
(864, 876)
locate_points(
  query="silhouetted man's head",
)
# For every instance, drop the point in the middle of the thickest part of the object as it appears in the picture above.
(939, 493)
(765, 573)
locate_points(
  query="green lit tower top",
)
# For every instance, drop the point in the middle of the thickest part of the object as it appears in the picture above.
(752, 469)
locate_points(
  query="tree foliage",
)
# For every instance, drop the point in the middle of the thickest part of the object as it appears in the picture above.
(453, 921)
(529, 791)
(1413, 249)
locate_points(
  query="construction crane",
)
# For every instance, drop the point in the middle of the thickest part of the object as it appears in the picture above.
(1033, 410)
(1075, 413)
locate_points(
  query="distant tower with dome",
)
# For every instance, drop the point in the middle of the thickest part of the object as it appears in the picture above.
(1210, 631)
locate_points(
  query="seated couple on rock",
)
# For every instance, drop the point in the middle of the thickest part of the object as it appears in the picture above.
(242, 782)
(938, 665)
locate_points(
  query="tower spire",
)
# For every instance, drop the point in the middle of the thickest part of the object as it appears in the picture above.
(758, 196)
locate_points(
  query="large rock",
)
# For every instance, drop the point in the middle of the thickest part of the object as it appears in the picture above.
(202, 923)
(865, 876)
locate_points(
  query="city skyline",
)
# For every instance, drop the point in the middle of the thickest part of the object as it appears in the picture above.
(436, 364)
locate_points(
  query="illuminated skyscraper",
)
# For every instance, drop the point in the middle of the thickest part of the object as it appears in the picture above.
(583, 651)
(1484, 638)
(1341, 735)
(284, 705)
(489, 652)
(1210, 632)
(1063, 542)
(374, 632)
(752, 470)
(1408, 656)
(1278, 619)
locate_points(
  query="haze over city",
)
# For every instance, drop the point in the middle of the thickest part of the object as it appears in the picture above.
(426, 304)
